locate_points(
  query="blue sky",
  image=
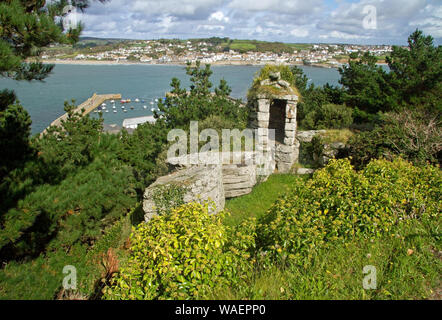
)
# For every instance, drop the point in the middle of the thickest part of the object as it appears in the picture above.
(328, 21)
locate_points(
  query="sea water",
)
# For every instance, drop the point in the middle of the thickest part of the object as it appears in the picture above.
(45, 100)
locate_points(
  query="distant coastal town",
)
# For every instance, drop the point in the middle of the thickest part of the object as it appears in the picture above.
(215, 51)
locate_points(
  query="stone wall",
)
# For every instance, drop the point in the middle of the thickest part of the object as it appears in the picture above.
(200, 182)
(330, 150)
(238, 180)
(215, 182)
(307, 136)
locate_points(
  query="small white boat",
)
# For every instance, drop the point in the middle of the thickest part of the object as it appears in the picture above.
(125, 110)
(156, 100)
(145, 107)
(115, 111)
(151, 102)
(112, 101)
(153, 109)
(137, 100)
(107, 110)
(122, 107)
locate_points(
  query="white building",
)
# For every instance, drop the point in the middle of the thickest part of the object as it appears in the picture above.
(132, 123)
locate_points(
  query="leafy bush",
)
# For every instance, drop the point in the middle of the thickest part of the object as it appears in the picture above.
(414, 135)
(329, 116)
(339, 203)
(181, 255)
(70, 146)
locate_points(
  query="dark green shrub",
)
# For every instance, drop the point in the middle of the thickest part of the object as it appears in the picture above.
(310, 152)
(143, 150)
(329, 116)
(414, 135)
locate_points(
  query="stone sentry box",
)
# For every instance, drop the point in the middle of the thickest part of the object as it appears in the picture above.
(274, 110)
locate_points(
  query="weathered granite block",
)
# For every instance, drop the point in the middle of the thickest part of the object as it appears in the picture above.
(263, 116)
(200, 182)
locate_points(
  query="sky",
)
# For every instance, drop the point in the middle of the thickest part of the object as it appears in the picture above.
(294, 21)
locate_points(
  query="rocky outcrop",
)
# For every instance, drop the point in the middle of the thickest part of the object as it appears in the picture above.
(199, 183)
(238, 180)
(307, 136)
(330, 151)
(215, 182)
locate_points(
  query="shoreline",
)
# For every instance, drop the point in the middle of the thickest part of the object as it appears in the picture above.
(128, 63)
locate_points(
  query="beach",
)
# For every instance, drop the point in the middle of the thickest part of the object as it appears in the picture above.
(175, 63)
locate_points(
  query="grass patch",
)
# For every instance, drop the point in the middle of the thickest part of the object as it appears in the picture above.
(408, 259)
(242, 46)
(337, 135)
(407, 267)
(260, 199)
(300, 46)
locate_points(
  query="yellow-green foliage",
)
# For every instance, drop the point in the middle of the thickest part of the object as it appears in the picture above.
(181, 255)
(339, 203)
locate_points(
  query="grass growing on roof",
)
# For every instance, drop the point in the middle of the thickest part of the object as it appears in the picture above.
(271, 91)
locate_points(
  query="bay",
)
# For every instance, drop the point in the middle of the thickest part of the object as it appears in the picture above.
(45, 100)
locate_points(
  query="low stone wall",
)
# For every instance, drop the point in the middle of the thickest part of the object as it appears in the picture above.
(330, 150)
(214, 182)
(200, 183)
(238, 180)
(307, 136)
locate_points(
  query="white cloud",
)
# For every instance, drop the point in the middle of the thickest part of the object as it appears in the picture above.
(342, 35)
(299, 32)
(218, 16)
(173, 7)
(274, 20)
(210, 27)
(392, 17)
(430, 21)
(279, 6)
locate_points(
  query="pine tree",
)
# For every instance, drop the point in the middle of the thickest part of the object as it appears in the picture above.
(26, 26)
